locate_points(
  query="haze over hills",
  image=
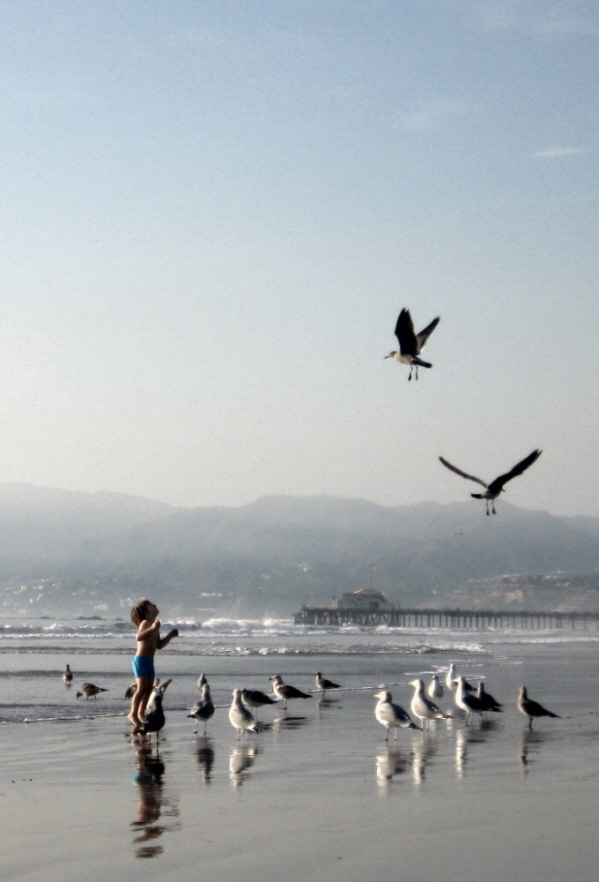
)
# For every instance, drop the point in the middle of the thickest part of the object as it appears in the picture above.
(80, 554)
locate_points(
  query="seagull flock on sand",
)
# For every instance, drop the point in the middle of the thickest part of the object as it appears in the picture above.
(424, 709)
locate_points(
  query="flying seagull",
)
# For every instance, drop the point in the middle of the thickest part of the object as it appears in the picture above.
(410, 343)
(495, 487)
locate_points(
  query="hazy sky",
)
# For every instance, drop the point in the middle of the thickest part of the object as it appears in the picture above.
(212, 213)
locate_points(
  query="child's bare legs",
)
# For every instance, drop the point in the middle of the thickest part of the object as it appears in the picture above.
(143, 690)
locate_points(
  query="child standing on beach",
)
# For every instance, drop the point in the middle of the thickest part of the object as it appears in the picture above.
(149, 640)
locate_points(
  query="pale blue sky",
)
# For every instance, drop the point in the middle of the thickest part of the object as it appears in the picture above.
(212, 213)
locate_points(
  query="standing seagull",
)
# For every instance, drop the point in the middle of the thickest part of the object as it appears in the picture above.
(435, 689)
(531, 708)
(90, 691)
(202, 681)
(240, 717)
(451, 680)
(204, 709)
(410, 343)
(67, 675)
(490, 703)
(423, 707)
(390, 715)
(255, 698)
(154, 719)
(325, 685)
(471, 703)
(495, 487)
(284, 691)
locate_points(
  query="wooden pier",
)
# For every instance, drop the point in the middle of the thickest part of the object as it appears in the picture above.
(457, 619)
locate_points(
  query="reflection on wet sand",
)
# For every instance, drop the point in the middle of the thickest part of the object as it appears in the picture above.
(241, 760)
(530, 747)
(205, 757)
(323, 703)
(151, 801)
(474, 733)
(389, 763)
(287, 722)
(425, 746)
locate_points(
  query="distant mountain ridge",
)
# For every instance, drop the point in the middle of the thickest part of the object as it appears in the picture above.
(99, 550)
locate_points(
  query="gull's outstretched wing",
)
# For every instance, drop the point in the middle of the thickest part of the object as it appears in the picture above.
(423, 336)
(496, 485)
(404, 331)
(453, 468)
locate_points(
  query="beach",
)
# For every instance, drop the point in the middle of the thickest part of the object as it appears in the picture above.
(318, 793)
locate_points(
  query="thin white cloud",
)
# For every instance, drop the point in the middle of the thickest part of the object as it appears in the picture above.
(545, 18)
(557, 152)
(431, 116)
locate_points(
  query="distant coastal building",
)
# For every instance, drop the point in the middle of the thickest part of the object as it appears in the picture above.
(366, 606)
(364, 600)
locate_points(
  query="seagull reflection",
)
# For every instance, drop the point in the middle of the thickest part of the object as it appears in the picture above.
(530, 745)
(424, 749)
(466, 736)
(323, 703)
(286, 722)
(205, 757)
(148, 778)
(242, 758)
(389, 763)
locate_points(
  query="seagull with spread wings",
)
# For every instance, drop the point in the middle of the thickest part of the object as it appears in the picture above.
(410, 343)
(493, 489)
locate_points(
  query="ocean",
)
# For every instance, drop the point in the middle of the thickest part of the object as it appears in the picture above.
(240, 653)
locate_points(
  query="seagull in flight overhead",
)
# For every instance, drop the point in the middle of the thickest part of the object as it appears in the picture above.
(410, 343)
(493, 489)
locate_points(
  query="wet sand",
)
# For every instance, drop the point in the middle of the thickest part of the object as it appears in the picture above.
(319, 794)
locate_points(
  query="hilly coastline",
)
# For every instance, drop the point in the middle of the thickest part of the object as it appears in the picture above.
(85, 554)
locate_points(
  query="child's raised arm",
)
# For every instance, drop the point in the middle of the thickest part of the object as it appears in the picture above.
(165, 640)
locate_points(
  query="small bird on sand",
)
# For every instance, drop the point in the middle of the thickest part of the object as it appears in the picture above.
(325, 685)
(423, 707)
(390, 715)
(493, 489)
(130, 691)
(435, 689)
(254, 698)
(67, 675)
(240, 717)
(204, 709)
(90, 691)
(410, 343)
(532, 709)
(202, 681)
(491, 703)
(285, 691)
